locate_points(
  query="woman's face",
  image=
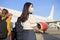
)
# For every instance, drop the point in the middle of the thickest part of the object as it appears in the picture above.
(31, 8)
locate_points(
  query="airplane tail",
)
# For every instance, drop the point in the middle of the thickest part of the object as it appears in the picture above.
(51, 16)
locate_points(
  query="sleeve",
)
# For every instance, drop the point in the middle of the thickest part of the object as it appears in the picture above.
(8, 26)
(32, 21)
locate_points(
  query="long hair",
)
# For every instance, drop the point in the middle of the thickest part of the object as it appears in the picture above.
(25, 13)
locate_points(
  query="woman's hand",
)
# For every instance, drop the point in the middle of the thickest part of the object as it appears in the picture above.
(39, 30)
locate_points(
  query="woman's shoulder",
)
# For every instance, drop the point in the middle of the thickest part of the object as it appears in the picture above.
(19, 18)
(8, 18)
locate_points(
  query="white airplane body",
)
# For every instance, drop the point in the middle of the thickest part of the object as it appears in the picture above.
(16, 14)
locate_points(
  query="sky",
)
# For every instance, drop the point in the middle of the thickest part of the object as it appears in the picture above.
(41, 7)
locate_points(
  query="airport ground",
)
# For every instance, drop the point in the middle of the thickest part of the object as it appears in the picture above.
(51, 34)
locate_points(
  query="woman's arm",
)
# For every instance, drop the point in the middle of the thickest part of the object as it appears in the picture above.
(35, 28)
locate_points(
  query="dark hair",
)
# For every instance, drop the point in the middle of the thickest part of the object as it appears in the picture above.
(25, 12)
(5, 10)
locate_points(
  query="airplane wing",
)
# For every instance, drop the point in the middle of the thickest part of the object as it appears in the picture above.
(16, 14)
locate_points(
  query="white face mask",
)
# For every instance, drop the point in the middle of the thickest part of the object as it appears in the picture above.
(30, 9)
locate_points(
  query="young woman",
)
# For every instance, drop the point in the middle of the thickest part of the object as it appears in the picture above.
(28, 22)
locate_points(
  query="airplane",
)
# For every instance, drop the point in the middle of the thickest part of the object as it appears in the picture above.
(42, 21)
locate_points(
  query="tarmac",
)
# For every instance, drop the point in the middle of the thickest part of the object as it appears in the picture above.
(50, 34)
